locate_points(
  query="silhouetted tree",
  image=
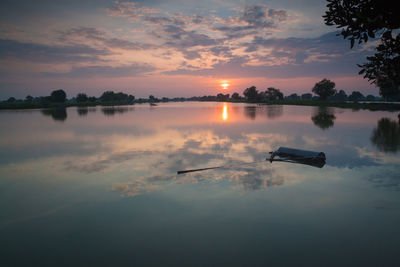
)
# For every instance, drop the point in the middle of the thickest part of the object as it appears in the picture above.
(235, 96)
(386, 136)
(152, 98)
(251, 93)
(370, 98)
(306, 96)
(58, 96)
(131, 98)
(324, 89)
(356, 96)
(324, 118)
(107, 96)
(92, 99)
(81, 97)
(340, 96)
(364, 19)
(273, 94)
(110, 96)
(28, 98)
(222, 97)
(293, 97)
(11, 99)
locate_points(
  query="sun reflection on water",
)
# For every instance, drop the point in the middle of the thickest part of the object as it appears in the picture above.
(225, 112)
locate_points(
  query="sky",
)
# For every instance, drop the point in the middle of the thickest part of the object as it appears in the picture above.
(172, 48)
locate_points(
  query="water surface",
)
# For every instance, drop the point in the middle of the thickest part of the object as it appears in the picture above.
(98, 186)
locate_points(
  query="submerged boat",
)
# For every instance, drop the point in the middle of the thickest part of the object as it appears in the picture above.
(284, 154)
(293, 155)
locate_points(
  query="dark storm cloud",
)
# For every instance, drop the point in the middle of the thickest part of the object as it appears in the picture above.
(33, 52)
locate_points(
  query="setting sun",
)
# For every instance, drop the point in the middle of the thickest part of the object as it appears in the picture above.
(224, 85)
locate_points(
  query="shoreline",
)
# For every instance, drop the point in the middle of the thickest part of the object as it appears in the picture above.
(373, 106)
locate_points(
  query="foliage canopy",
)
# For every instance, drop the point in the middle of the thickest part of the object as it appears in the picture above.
(324, 89)
(364, 19)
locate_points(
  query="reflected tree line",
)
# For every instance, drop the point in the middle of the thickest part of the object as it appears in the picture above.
(60, 114)
(269, 111)
(385, 136)
(324, 117)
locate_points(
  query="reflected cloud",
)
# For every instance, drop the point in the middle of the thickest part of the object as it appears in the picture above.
(324, 117)
(242, 178)
(386, 135)
(101, 163)
(142, 151)
(58, 114)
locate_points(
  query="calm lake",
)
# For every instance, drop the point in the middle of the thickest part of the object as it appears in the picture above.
(98, 186)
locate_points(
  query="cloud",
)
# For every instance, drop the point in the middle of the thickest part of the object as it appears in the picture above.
(96, 37)
(252, 20)
(326, 55)
(234, 40)
(132, 70)
(196, 30)
(41, 53)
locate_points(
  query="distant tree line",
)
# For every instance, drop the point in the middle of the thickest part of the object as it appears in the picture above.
(323, 90)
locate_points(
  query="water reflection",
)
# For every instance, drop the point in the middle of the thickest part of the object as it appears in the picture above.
(269, 111)
(324, 117)
(74, 175)
(82, 111)
(250, 112)
(242, 178)
(274, 111)
(225, 112)
(386, 135)
(112, 110)
(155, 144)
(58, 114)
